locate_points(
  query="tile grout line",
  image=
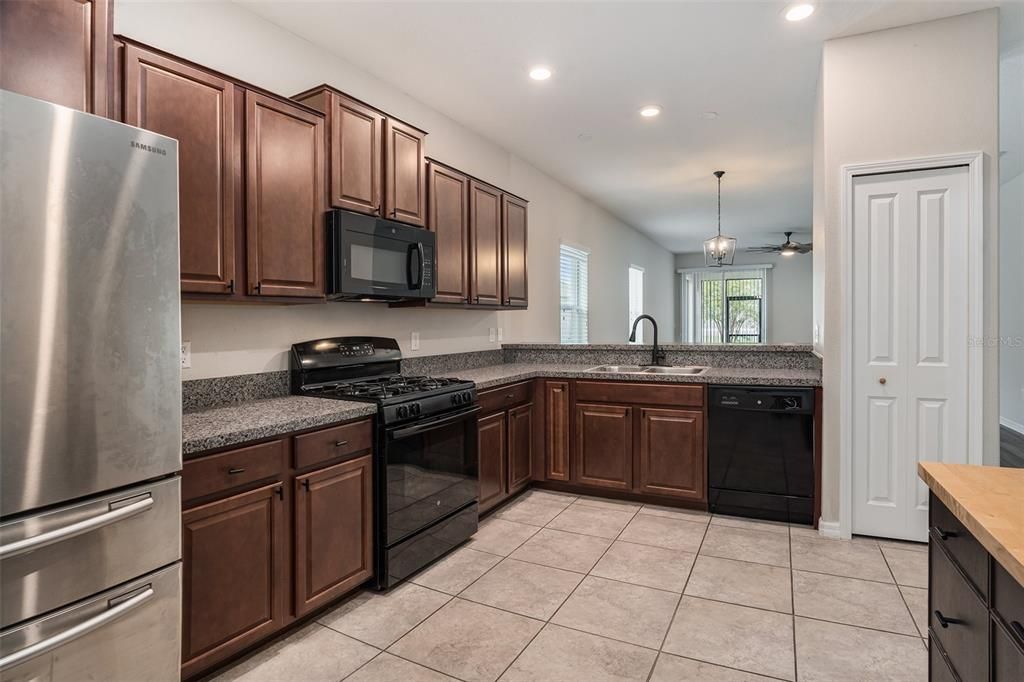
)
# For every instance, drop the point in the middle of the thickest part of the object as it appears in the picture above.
(902, 596)
(792, 606)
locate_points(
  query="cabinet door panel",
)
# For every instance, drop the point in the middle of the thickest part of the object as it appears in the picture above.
(556, 426)
(357, 155)
(235, 575)
(604, 446)
(520, 447)
(485, 241)
(672, 453)
(284, 198)
(59, 51)
(492, 443)
(514, 228)
(405, 198)
(448, 218)
(197, 109)
(333, 532)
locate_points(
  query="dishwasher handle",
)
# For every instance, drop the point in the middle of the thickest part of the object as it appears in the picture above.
(762, 399)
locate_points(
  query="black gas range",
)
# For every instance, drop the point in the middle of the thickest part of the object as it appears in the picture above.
(425, 464)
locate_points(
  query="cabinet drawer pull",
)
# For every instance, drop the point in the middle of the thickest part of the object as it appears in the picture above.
(305, 485)
(279, 491)
(1017, 628)
(946, 622)
(236, 470)
(231, 286)
(340, 443)
(510, 396)
(945, 534)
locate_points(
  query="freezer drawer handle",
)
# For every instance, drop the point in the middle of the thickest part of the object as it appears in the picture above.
(85, 627)
(75, 529)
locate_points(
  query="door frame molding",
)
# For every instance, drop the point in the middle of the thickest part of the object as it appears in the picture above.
(975, 297)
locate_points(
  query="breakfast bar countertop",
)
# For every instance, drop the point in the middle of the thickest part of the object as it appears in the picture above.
(989, 501)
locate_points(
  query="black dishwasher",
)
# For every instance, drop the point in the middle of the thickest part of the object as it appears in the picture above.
(761, 452)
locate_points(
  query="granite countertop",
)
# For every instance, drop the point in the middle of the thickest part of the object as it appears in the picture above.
(496, 375)
(695, 347)
(987, 500)
(236, 423)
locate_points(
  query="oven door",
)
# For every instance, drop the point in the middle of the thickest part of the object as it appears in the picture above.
(429, 471)
(373, 258)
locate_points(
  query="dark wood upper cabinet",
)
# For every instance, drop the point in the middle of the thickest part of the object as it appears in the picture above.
(513, 232)
(405, 195)
(485, 242)
(492, 445)
(284, 198)
(520, 447)
(604, 446)
(333, 532)
(671, 455)
(198, 109)
(60, 51)
(448, 219)
(234, 575)
(556, 427)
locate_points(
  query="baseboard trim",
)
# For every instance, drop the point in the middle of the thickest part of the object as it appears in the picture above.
(829, 529)
(1012, 425)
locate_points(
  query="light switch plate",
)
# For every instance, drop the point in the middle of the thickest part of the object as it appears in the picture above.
(186, 354)
(414, 342)
(501, 334)
(491, 335)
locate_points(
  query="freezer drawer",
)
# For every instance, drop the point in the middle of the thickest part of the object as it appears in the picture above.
(69, 553)
(131, 633)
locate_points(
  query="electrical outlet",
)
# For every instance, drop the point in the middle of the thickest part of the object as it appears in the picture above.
(491, 334)
(186, 354)
(414, 342)
(817, 334)
(501, 334)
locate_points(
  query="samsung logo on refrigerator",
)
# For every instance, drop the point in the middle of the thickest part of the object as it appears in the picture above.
(148, 148)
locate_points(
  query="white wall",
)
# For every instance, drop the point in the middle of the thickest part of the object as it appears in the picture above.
(1011, 215)
(789, 292)
(918, 90)
(241, 339)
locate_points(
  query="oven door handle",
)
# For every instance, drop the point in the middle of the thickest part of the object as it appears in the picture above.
(430, 426)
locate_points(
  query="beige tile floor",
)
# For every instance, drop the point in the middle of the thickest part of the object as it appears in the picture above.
(559, 588)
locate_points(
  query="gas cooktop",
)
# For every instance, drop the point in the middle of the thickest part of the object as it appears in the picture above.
(385, 388)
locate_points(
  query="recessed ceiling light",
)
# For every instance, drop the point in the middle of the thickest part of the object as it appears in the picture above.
(540, 73)
(799, 12)
(650, 111)
(709, 115)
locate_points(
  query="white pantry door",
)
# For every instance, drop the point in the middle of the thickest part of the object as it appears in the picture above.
(910, 342)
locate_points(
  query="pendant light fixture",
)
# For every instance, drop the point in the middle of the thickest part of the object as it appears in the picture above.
(719, 250)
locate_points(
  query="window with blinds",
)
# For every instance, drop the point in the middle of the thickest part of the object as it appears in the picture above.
(636, 300)
(572, 275)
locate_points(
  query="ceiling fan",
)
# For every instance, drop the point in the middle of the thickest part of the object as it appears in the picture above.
(788, 248)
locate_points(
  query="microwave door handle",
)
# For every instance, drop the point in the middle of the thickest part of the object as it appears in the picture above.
(430, 426)
(419, 269)
(417, 283)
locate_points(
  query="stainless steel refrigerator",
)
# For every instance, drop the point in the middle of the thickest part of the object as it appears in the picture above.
(90, 398)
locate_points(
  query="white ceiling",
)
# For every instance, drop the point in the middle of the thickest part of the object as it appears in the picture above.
(740, 59)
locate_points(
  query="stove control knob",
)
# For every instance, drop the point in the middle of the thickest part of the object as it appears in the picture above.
(414, 409)
(467, 397)
(456, 398)
(403, 411)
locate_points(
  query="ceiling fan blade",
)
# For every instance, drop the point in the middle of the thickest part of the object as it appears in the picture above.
(806, 248)
(763, 249)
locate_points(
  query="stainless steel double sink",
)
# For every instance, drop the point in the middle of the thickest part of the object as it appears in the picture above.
(652, 369)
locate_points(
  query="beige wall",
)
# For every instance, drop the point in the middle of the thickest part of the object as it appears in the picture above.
(789, 292)
(919, 90)
(243, 339)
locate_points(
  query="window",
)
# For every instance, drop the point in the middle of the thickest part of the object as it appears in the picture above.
(725, 306)
(573, 285)
(636, 299)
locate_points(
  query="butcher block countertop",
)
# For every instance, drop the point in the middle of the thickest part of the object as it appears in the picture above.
(989, 501)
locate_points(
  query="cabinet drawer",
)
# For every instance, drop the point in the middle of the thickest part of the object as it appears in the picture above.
(957, 618)
(339, 441)
(640, 393)
(947, 532)
(1008, 601)
(228, 470)
(504, 397)
(1007, 655)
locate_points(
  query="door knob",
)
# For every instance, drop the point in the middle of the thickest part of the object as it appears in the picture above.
(882, 381)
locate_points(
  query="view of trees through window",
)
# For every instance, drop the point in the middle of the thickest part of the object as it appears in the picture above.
(731, 310)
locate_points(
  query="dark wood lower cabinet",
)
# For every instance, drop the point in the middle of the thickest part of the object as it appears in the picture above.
(520, 447)
(235, 575)
(604, 446)
(671, 455)
(493, 456)
(333, 532)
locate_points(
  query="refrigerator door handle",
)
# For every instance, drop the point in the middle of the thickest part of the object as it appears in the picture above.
(35, 542)
(85, 627)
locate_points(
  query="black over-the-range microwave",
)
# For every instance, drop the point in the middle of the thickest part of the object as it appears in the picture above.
(370, 258)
